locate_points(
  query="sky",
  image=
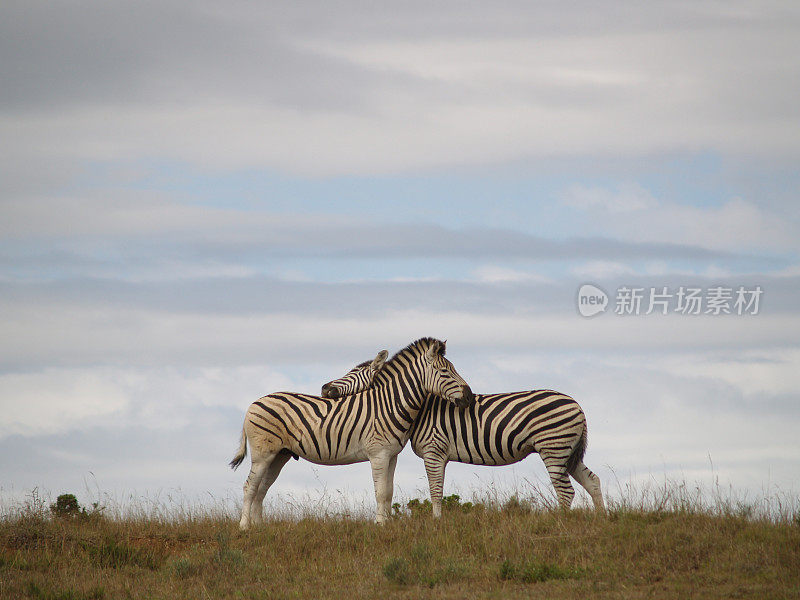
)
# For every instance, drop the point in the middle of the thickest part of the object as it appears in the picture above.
(201, 204)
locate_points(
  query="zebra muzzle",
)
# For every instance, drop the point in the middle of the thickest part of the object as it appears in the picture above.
(467, 397)
(330, 391)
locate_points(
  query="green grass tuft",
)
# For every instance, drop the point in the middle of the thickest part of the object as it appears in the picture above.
(184, 568)
(114, 554)
(536, 572)
(34, 591)
(398, 571)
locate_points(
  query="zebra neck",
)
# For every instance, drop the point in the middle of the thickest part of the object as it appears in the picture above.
(403, 382)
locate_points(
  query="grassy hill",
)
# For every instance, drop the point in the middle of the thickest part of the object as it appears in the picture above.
(509, 550)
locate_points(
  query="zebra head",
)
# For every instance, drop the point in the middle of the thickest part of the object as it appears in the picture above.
(441, 378)
(356, 380)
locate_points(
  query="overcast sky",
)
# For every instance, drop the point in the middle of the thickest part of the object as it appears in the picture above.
(201, 203)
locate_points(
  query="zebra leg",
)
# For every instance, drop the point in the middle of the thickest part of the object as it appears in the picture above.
(434, 467)
(257, 470)
(591, 483)
(383, 467)
(557, 469)
(274, 469)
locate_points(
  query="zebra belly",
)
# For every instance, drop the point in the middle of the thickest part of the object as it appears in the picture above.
(440, 445)
(342, 460)
(476, 458)
(326, 456)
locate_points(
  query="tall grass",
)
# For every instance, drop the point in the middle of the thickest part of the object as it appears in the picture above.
(646, 495)
(660, 540)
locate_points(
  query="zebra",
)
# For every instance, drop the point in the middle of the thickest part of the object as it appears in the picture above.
(372, 425)
(497, 429)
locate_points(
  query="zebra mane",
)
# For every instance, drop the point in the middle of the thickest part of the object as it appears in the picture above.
(420, 344)
(426, 341)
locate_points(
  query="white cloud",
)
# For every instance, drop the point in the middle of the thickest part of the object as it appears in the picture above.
(57, 400)
(486, 87)
(632, 213)
(735, 225)
(94, 335)
(790, 271)
(500, 274)
(751, 372)
(628, 197)
(158, 215)
(602, 269)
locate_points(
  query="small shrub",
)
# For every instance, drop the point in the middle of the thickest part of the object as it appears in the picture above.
(515, 506)
(449, 503)
(417, 506)
(66, 506)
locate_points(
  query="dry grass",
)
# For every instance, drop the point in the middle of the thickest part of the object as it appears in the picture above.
(679, 547)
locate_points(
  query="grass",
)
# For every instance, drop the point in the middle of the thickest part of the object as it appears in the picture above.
(514, 547)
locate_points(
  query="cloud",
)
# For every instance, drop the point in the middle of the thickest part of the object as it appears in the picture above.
(310, 92)
(498, 274)
(56, 400)
(141, 235)
(758, 375)
(144, 53)
(106, 334)
(602, 269)
(627, 198)
(632, 213)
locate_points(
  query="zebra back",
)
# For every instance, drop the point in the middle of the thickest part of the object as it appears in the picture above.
(500, 429)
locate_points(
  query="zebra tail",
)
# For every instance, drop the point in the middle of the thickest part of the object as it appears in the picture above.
(241, 453)
(576, 456)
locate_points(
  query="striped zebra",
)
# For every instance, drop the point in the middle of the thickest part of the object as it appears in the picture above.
(497, 429)
(372, 425)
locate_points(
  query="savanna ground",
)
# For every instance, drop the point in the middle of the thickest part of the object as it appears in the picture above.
(669, 546)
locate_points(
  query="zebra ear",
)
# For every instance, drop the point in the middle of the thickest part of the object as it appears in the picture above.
(434, 350)
(377, 363)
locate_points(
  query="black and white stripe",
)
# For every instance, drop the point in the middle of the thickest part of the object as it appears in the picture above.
(357, 379)
(501, 429)
(373, 425)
